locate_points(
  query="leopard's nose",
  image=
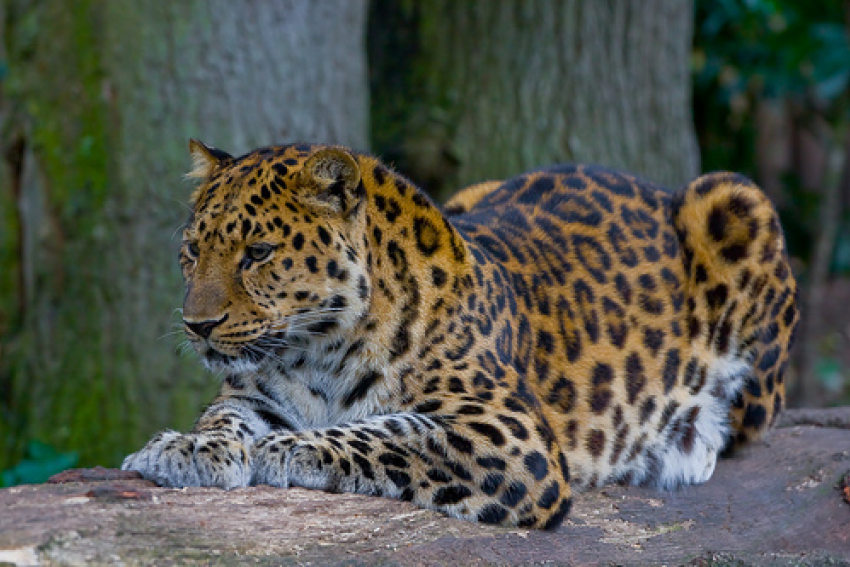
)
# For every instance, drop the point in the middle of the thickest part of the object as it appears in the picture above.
(204, 328)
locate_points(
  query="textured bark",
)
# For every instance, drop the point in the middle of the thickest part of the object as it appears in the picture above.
(833, 179)
(98, 104)
(781, 503)
(490, 89)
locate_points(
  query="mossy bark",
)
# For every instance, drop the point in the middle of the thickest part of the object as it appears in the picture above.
(467, 91)
(98, 101)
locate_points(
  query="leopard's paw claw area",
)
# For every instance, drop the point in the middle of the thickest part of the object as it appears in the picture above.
(196, 459)
(286, 460)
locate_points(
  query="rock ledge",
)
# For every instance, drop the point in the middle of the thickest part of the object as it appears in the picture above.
(781, 502)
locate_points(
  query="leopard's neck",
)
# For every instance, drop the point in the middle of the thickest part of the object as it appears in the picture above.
(420, 274)
(420, 267)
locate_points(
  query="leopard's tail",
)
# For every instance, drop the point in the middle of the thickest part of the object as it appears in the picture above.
(466, 199)
(741, 292)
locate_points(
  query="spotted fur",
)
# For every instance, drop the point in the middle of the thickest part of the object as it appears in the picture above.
(570, 327)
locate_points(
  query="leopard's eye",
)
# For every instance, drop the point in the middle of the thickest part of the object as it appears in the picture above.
(192, 250)
(259, 252)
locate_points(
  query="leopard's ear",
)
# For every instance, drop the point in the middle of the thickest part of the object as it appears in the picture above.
(330, 179)
(206, 159)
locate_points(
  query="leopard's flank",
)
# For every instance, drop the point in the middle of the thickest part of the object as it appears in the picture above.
(570, 327)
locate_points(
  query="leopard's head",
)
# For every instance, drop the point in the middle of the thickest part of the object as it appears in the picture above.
(273, 255)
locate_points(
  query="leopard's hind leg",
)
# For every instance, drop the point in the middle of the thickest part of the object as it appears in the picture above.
(741, 294)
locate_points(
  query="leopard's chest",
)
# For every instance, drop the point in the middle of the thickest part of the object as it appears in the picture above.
(326, 385)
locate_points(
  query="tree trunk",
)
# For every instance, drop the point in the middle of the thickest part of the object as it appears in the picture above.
(98, 104)
(466, 91)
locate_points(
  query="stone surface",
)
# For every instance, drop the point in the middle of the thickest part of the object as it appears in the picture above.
(781, 502)
(826, 417)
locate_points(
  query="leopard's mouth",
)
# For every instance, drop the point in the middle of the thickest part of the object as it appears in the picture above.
(249, 355)
(271, 345)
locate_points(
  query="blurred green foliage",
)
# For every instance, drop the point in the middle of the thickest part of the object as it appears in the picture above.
(780, 49)
(776, 48)
(41, 462)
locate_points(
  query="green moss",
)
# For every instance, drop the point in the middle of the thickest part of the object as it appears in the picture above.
(56, 76)
(69, 126)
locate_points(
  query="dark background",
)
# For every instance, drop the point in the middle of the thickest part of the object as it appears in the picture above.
(99, 97)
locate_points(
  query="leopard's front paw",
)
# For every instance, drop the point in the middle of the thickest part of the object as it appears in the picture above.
(194, 459)
(285, 460)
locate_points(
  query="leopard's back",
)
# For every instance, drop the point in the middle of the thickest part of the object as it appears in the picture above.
(634, 354)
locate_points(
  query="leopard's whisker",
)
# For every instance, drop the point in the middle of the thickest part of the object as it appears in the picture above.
(170, 334)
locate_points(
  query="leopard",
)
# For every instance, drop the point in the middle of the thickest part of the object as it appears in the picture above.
(488, 358)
